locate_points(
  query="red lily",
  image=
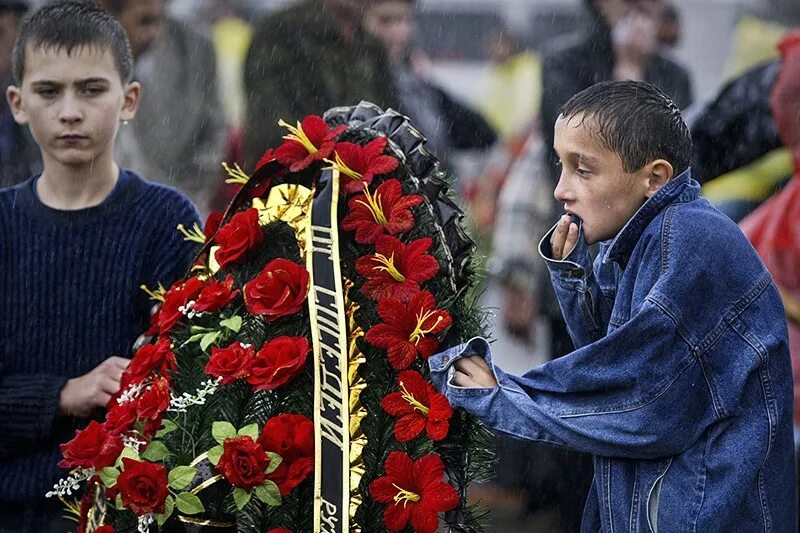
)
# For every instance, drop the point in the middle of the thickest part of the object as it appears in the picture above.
(309, 141)
(386, 211)
(419, 407)
(414, 491)
(408, 329)
(395, 269)
(359, 164)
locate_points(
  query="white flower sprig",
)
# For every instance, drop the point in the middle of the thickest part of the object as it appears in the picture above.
(143, 525)
(188, 310)
(130, 441)
(131, 393)
(71, 483)
(179, 404)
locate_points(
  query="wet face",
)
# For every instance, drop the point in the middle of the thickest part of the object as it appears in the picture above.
(143, 21)
(73, 103)
(391, 22)
(593, 185)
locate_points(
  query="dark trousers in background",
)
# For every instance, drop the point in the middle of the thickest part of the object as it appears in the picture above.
(39, 516)
(547, 477)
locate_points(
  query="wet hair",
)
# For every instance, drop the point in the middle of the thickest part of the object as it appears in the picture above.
(72, 24)
(636, 120)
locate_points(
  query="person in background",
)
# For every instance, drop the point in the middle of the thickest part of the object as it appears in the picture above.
(669, 26)
(305, 59)
(76, 243)
(446, 123)
(621, 44)
(19, 156)
(178, 137)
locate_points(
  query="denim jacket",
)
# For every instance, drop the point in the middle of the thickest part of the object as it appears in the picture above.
(680, 384)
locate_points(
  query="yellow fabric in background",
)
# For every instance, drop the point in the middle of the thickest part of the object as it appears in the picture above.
(756, 181)
(754, 41)
(231, 37)
(514, 94)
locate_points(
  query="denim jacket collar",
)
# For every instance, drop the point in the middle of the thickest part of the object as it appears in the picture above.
(681, 189)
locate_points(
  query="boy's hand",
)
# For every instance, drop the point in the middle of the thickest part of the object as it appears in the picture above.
(473, 372)
(82, 395)
(563, 239)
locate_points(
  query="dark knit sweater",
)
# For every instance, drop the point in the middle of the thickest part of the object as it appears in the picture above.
(69, 289)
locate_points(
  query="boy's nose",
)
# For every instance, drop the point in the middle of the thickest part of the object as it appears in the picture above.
(70, 111)
(562, 192)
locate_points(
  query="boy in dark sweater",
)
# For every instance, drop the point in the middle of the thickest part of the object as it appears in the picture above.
(76, 242)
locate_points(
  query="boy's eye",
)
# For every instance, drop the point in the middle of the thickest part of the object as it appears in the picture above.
(93, 89)
(47, 93)
(582, 172)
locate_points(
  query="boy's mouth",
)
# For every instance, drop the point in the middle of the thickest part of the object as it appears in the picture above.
(72, 137)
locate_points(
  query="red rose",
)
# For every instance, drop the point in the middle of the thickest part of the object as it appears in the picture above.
(279, 290)
(215, 296)
(120, 417)
(240, 236)
(93, 447)
(279, 530)
(243, 462)
(230, 363)
(292, 437)
(104, 529)
(212, 224)
(176, 298)
(153, 401)
(151, 358)
(143, 486)
(278, 361)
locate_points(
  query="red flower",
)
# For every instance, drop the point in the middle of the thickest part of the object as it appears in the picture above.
(175, 299)
(153, 401)
(230, 363)
(240, 236)
(120, 417)
(267, 157)
(215, 296)
(414, 491)
(279, 530)
(306, 143)
(419, 407)
(105, 529)
(150, 358)
(358, 165)
(212, 224)
(292, 437)
(408, 329)
(279, 290)
(278, 362)
(92, 447)
(386, 211)
(143, 486)
(243, 462)
(395, 269)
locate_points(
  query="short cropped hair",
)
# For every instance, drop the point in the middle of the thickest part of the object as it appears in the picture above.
(637, 121)
(71, 24)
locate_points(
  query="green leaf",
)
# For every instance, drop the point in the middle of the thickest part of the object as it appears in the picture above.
(169, 506)
(128, 453)
(108, 476)
(251, 430)
(194, 338)
(222, 430)
(189, 503)
(275, 461)
(199, 329)
(156, 451)
(240, 497)
(214, 454)
(118, 502)
(233, 323)
(269, 493)
(208, 339)
(169, 427)
(180, 476)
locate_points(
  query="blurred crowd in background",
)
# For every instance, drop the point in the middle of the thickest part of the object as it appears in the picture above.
(483, 80)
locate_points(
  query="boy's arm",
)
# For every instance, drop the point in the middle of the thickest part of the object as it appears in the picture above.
(30, 403)
(585, 310)
(639, 392)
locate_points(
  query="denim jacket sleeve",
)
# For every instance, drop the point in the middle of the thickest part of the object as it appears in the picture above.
(582, 304)
(638, 392)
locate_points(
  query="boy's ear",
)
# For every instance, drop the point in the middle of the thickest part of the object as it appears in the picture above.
(131, 95)
(660, 172)
(14, 99)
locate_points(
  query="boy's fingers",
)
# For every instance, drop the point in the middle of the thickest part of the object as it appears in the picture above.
(559, 236)
(572, 238)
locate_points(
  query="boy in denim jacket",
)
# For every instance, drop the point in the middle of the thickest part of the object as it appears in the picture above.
(680, 384)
